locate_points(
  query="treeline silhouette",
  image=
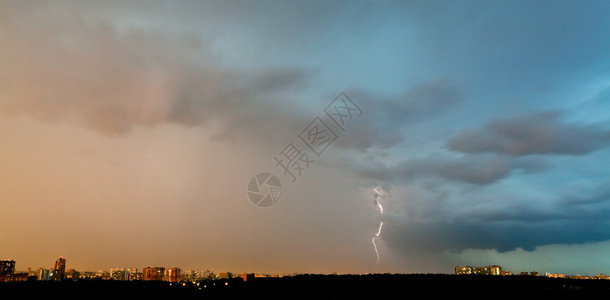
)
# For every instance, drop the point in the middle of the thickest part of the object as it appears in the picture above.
(319, 287)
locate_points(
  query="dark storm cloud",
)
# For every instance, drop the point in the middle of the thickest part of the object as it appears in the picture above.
(538, 133)
(502, 236)
(508, 225)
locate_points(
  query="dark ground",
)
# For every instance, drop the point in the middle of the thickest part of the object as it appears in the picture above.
(320, 287)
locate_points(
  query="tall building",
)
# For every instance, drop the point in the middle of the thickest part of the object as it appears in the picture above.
(7, 267)
(172, 275)
(43, 274)
(118, 274)
(158, 273)
(187, 275)
(147, 273)
(135, 276)
(153, 273)
(495, 270)
(131, 274)
(59, 271)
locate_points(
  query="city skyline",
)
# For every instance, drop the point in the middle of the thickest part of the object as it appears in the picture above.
(367, 136)
(177, 274)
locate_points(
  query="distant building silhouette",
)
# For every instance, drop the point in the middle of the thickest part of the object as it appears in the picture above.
(118, 274)
(43, 274)
(158, 273)
(488, 270)
(102, 274)
(7, 267)
(72, 274)
(481, 270)
(150, 273)
(559, 275)
(7, 272)
(59, 270)
(172, 275)
(147, 273)
(463, 270)
(132, 274)
(495, 270)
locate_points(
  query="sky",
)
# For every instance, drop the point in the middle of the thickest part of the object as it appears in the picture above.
(478, 134)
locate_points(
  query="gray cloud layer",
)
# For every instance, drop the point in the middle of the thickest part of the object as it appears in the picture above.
(112, 80)
(478, 169)
(538, 133)
(386, 118)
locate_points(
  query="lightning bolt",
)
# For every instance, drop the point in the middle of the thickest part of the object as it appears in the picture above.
(375, 245)
(378, 195)
(376, 251)
(379, 230)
